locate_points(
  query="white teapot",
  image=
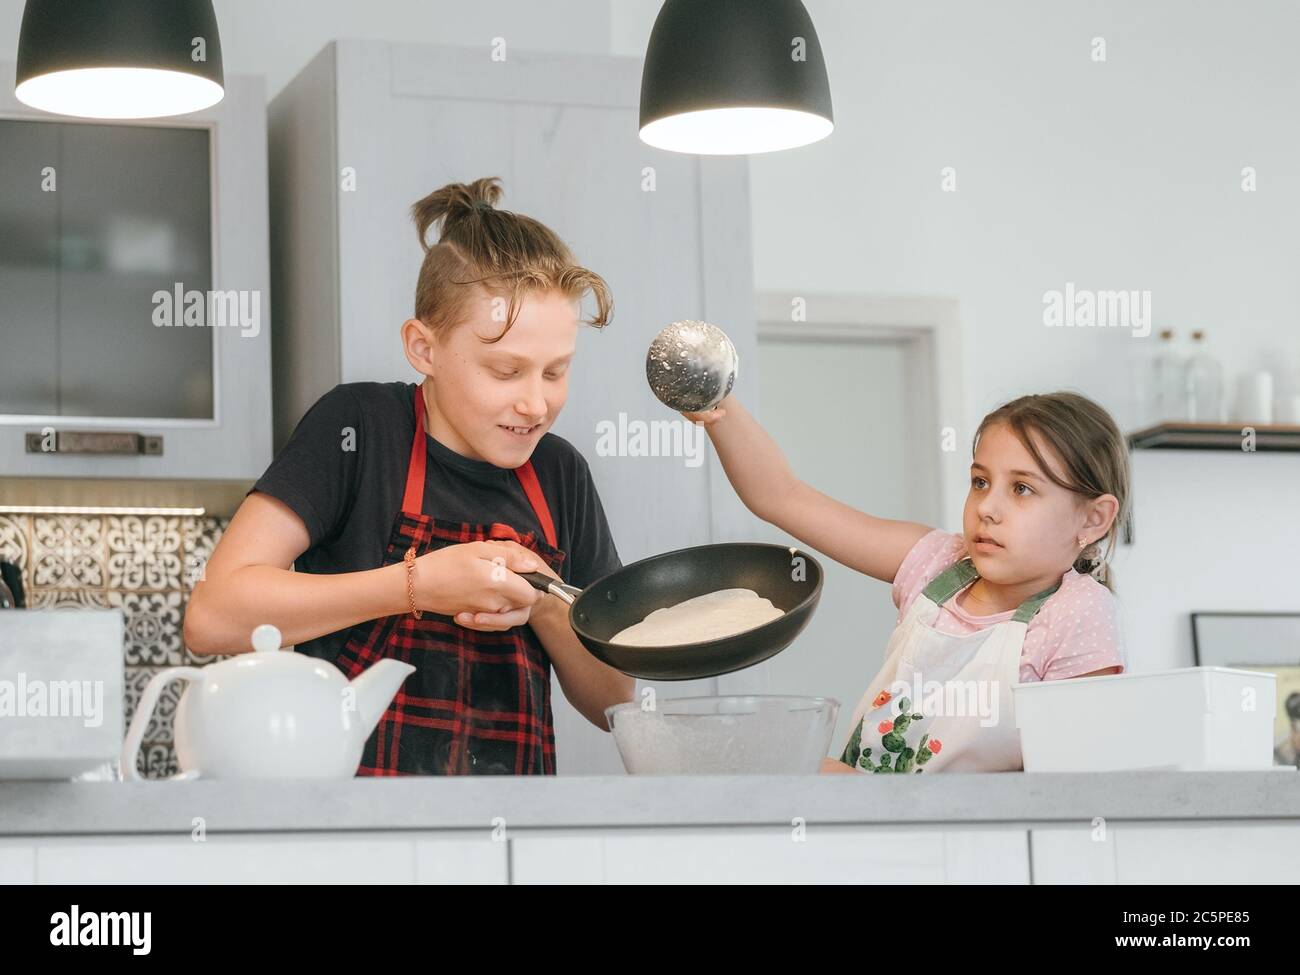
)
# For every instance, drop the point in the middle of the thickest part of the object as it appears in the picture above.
(269, 715)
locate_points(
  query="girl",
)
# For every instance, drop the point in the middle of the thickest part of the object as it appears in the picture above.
(403, 507)
(1022, 594)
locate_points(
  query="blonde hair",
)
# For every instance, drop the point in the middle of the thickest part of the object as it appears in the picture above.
(1093, 453)
(502, 252)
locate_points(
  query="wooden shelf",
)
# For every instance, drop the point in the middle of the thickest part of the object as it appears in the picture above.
(1213, 436)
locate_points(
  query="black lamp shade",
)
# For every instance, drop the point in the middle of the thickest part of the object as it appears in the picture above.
(119, 58)
(721, 77)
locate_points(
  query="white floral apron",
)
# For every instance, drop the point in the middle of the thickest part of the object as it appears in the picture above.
(942, 702)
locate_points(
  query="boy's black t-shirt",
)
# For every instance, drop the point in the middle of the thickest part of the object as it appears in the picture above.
(349, 498)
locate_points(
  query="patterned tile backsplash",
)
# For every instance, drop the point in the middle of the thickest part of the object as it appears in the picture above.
(144, 565)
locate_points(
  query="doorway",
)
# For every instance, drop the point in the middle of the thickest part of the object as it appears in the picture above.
(854, 393)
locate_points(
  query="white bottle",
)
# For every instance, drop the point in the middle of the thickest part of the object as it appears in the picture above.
(1166, 387)
(1255, 398)
(1204, 383)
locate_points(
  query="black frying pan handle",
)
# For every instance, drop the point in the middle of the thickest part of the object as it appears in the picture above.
(540, 580)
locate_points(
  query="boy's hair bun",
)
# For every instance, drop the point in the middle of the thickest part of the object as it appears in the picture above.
(454, 203)
(501, 252)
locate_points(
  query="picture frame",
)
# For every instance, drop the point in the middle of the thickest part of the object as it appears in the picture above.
(1260, 641)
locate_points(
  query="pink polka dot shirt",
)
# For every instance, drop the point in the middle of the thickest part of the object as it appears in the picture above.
(1076, 631)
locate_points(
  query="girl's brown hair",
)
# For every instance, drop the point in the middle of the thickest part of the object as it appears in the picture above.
(1093, 454)
(502, 252)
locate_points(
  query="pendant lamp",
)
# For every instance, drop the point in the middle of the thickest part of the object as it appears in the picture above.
(734, 76)
(119, 58)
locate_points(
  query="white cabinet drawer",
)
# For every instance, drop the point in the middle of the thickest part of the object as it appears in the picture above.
(325, 858)
(1263, 853)
(823, 855)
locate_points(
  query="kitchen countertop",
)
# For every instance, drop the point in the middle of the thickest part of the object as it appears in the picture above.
(418, 803)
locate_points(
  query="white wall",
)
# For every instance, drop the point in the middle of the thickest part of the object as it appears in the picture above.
(1123, 174)
(803, 384)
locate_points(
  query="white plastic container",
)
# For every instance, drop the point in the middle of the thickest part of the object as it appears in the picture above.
(1191, 719)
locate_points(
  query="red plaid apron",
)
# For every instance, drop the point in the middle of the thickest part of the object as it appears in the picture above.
(477, 703)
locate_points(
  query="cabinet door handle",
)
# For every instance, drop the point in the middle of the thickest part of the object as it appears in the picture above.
(120, 443)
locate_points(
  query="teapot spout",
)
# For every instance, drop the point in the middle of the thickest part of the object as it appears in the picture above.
(374, 690)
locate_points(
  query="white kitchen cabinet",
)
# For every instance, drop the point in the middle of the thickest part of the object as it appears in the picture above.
(83, 351)
(749, 855)
(1171, 853)
(1081, 854)
(17, 862)
(818, 854)
(1166, 853)
(275, 858)
(369, 127)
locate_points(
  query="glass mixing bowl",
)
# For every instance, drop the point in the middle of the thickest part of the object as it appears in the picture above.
(752, 734)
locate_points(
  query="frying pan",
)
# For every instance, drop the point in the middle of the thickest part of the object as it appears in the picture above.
(628, 595)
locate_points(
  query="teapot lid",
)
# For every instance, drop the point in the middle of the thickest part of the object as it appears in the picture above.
(266, 638)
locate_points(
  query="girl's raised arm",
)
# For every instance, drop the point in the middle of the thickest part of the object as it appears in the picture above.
(762, 478)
